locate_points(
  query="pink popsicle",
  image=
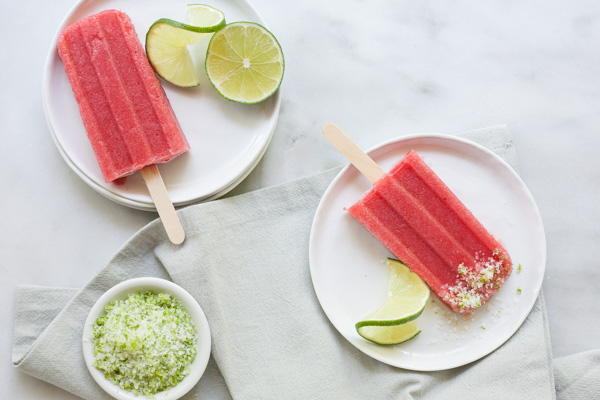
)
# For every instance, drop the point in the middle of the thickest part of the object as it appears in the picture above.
(418, 218)
(127, 116)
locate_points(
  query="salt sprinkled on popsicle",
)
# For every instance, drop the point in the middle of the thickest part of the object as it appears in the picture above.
(422, 222)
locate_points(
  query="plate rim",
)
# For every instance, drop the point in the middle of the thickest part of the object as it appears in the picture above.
(116, 196)
(406, 138)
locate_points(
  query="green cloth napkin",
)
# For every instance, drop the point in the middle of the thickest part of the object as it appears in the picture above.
(245, 260)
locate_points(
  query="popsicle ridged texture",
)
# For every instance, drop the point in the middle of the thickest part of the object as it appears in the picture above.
(127, 116)
(420, 220)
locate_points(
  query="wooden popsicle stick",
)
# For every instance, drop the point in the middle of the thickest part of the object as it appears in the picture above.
(164, 206)
(353, 153)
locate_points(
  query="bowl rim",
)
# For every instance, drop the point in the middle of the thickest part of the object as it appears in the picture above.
(191, 306)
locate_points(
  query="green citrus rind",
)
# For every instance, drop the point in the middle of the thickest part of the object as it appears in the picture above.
(400, 333)
(407, 298)
(217, 64)
(187, 27)
(166, 49)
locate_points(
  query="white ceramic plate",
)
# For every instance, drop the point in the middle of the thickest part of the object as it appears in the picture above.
(348, 265)
(227, 139)
(120, 292)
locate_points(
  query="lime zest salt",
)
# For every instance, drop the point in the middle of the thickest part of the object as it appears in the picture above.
(145, 344)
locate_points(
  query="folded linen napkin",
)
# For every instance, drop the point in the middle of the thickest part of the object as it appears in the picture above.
(245, 260)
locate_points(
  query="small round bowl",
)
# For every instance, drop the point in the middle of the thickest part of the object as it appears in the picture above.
(120, 292)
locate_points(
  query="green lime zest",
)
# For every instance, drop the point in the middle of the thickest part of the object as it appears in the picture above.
(145, 343)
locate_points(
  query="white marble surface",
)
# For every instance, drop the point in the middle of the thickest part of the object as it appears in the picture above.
(378, 69)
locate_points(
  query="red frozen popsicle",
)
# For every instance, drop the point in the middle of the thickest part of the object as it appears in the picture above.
(422, 222)
(125, 111)
(127, 116)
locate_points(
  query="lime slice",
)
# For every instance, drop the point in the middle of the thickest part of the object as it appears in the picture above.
(407, 297)
(388, 335)
(244, 62)
(205, 16)
(167, 41)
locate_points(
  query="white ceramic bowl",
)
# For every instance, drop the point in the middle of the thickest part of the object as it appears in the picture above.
(120, 292)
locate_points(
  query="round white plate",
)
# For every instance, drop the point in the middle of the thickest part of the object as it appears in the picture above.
(348, 265)
(227, 139)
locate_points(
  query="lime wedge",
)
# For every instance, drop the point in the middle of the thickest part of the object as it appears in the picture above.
(244, 62)
(167, 41)
(407, 297)
(388, 335)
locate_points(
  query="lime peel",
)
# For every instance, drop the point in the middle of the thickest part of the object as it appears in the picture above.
(389, 335)
(202, 15)
(167, 41)
(393, 322)
(245, 63)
